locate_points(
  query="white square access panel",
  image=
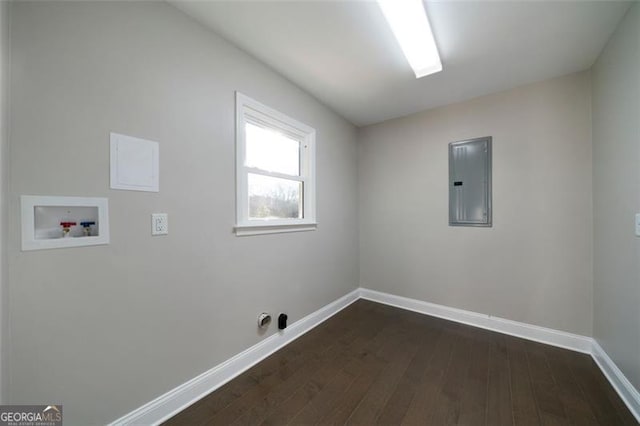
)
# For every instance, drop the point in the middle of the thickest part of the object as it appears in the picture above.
(134, 163)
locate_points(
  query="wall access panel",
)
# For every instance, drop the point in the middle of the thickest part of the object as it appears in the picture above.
(134, 163)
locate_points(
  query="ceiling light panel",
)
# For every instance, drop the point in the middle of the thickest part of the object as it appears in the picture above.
(409, 23)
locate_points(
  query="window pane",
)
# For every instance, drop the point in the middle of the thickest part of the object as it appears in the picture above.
(274, 198)
(272, 151)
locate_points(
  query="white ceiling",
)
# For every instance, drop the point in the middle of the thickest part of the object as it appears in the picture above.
(344, 53)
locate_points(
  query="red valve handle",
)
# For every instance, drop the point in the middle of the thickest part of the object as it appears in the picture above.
(67, 224)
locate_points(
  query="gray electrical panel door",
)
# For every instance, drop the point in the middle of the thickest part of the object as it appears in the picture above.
(470, 182)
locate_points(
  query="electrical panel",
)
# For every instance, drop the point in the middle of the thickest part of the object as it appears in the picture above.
(470, 182)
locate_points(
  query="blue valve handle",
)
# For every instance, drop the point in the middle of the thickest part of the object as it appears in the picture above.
(87, 224)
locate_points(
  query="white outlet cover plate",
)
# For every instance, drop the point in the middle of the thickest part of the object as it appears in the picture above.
(637, 224)
(159, 224)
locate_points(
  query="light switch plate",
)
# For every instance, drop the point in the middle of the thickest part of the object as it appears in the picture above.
(159, 224)
(637, 224)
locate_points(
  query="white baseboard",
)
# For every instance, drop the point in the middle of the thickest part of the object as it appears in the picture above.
(620, 383)
(548, 336)
(628, 393)
(179, 398)
(176, 400)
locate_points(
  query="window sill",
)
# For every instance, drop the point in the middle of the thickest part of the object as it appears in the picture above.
(246, 230)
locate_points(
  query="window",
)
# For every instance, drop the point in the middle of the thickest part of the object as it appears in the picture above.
(275, 171)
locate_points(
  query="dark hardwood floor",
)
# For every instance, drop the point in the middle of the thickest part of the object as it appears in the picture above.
(375, 364)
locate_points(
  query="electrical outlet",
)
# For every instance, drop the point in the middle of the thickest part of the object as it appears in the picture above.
(159, 224)
(637, 224)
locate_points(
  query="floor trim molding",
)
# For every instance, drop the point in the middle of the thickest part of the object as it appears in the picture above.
(179, 398)
(618, 380)
(548, 336)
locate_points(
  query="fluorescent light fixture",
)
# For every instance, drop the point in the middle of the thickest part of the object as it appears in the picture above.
(409, 23)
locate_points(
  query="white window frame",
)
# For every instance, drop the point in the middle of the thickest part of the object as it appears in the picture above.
(249, 110)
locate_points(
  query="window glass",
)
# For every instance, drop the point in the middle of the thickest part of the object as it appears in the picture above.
(274, 198)
(271, 151)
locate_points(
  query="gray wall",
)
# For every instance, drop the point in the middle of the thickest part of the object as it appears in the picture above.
(616, 190)
(4, 61)
(106, 329)
(535, 264)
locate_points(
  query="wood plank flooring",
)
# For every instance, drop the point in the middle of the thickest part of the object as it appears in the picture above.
(375, 364)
